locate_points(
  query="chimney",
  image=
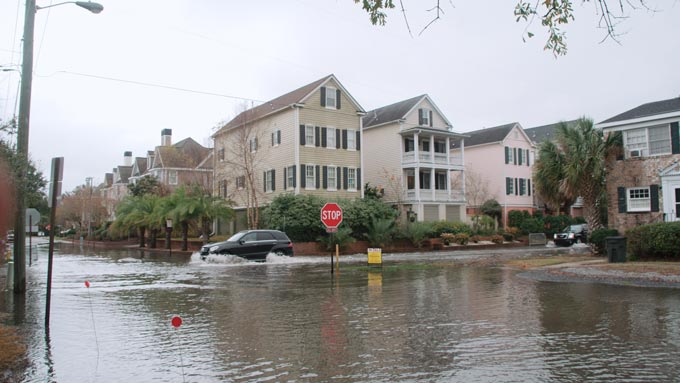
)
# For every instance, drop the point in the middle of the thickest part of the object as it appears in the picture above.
(127, 159)
(166, 137)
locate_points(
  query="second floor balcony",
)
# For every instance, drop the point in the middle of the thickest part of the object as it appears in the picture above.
(431, 148)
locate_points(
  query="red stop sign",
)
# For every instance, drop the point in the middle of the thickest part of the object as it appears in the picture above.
(331, 215)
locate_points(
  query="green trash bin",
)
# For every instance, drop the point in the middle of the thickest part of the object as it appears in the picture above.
(616, 249)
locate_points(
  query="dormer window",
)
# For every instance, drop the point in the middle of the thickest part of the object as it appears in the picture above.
(330, 97)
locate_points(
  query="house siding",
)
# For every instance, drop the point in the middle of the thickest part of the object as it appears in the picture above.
(412, 118)
(382, 156)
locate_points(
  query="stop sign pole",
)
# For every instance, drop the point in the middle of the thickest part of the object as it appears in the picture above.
(331, 217)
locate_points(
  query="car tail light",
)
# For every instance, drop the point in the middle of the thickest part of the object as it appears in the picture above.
(290, 245)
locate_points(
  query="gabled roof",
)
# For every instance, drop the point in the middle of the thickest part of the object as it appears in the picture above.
(139, 166)
(390, 113)
(108, 179)
(543, 133)
(397, 111)
(297, 96)
(123, 174)
(489, 135)
(187, 154)
(647, 110)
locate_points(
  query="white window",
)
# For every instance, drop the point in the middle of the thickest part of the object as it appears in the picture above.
(310, 177)
(511, 159)
(253, 145)
(290, 175)
(276, 137)
(351, 179)
(638, 199)
(648, 141)
(332, 178)
(659, 140)
(351, 139)
(440, 181)
(269, 181)
(331, 98)
(424, 117)
(172, 177)
(330, 138)
(309, 135)
(241, 182)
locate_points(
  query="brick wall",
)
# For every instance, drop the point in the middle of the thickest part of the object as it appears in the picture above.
(634, 172)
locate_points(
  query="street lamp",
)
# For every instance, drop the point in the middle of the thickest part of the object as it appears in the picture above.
(22, 135)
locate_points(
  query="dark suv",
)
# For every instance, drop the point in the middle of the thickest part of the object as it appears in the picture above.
(572, 234)
(252, 245)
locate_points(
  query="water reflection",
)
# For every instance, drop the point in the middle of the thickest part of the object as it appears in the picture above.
(292, 321)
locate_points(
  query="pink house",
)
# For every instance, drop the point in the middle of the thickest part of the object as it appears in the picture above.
(498, 165)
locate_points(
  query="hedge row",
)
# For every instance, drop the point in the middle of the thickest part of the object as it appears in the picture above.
(654, 241)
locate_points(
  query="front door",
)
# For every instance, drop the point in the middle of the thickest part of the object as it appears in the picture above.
(676, 212)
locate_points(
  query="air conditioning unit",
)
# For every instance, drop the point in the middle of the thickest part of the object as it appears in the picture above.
(635, 153)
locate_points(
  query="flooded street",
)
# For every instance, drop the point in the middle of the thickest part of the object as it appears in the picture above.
(288, 320)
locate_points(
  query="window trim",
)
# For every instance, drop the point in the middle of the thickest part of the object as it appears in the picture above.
(269, 181)
(328, 137)
(646, 150)
(173, 174)
(351, 178)
(253, 145)
(351, 138)
(333, 91)
(308, 142)
(290, 177)
(313, 179)
(647, 208)
(332, 170)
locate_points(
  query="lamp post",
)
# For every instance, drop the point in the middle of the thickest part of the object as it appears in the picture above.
(168, 232)
(22, 135)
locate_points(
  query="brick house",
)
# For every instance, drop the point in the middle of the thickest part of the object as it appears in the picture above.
(643, 185)
(407, 156)
(307, 142)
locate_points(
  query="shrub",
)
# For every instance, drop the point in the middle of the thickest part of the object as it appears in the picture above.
(497, 239)
(475, 239)
(342, 238)
(555, 224)
(462, 238)
(598, 239)
(517, 217)
(492, 209)
(510, 234)
(483, 225)
(359, 213)
(380, 232)
(441, 227)
(656, 240)
(532, 225)
(296, 215)
(417, 232)
(447, 238)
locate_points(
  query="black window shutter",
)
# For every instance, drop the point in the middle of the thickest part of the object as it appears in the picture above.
(527, 157)
(323, 137)
(278, 136)
(264, 183)
(303, 176)
(337, 139)
(675, 138)
(344, 178)
(337, 178)
(317, 136)
(430, 120)
(358, 141)
(325, 177)
(508, 185)
(358, 178)
(323, 96)
(520, 152)
(337, 99)
(514, 155)
(273, 143)
(302, 135)
(420, 116)
(654, 197)
(507, 154)
(273, 179)
(528, 187)
(285, 178)
(516, 187)
(621, 196)
(317, 173)
(344, 138)
(294, 176)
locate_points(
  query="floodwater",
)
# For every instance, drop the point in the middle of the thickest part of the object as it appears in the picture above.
(289, 320)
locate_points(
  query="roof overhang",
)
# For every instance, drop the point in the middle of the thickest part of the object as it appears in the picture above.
(436, 132)
(638, 122)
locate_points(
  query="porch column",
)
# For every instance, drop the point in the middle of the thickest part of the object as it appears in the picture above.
(416, 155)
(433, 175)
(431, 148)
(448, 151)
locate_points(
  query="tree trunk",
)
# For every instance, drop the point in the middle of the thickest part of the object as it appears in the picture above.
(142, 232)
(152, 238)
(185, 235)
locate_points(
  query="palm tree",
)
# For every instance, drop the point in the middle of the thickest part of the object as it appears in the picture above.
(548, 174)
(575, 167)
(133, 212)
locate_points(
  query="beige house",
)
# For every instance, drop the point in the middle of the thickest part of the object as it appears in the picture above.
(406, 155)
(307, 141)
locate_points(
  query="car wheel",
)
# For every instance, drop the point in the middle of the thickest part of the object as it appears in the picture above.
(578, 240)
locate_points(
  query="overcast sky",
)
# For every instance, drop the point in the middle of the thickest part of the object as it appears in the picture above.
(89, 104)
